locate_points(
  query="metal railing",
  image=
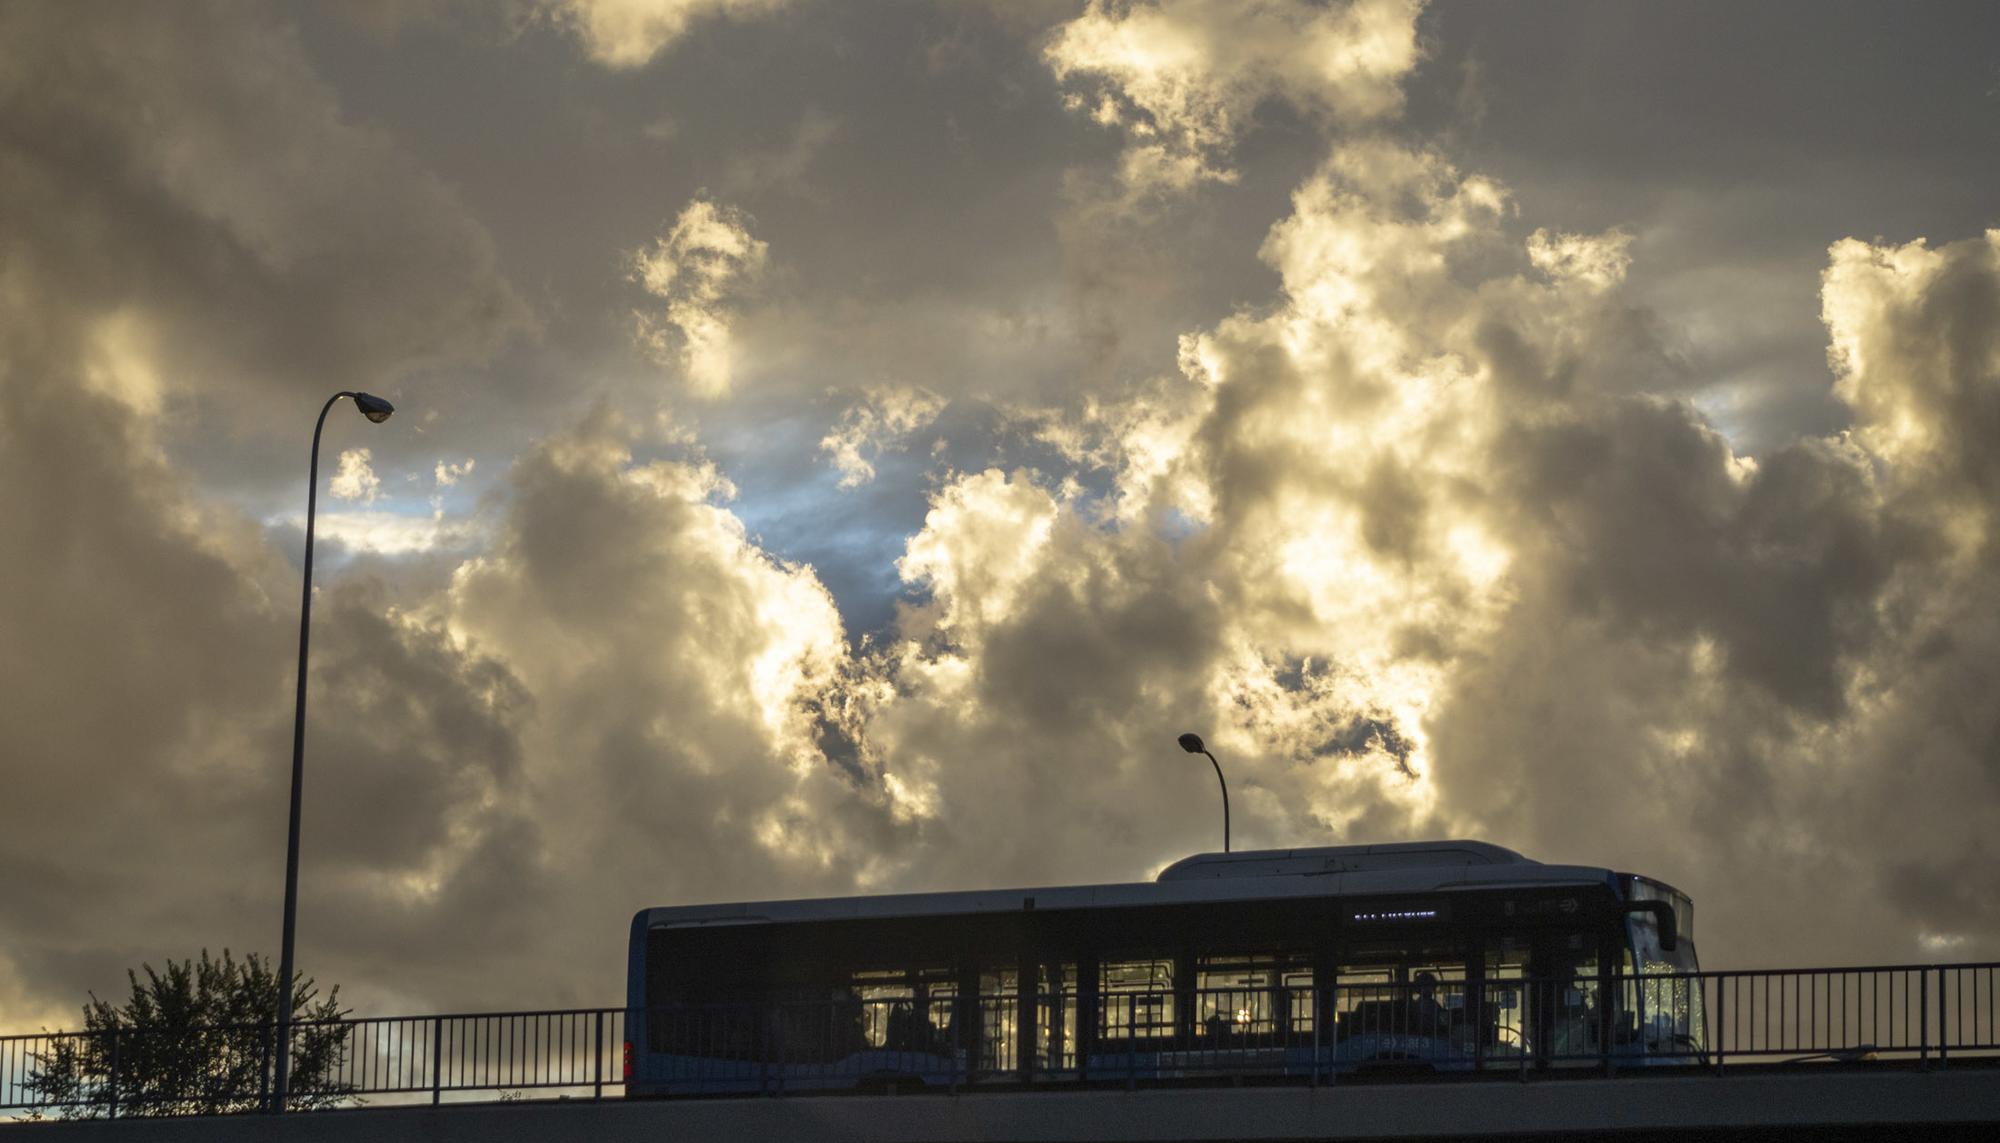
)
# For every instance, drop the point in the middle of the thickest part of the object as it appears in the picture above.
(212, 1069)
(1899, 1015)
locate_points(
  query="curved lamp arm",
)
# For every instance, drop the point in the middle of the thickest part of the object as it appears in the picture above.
(1193, 745)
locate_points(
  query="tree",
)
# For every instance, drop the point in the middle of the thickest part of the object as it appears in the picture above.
(195, 1039)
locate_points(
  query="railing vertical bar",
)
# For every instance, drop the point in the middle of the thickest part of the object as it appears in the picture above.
(1812, 1012)
(113, 1113)
(1721, 1022)
(1846, 1037)
(1924, 1019)
(1944, 1030)
(1318, 1019)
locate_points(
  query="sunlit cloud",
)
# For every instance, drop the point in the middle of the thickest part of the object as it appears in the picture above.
(388, 533)
(627, 34)
(884, 418)
(447, 474)
(354, 479)
(700, 267)
(1182, 78)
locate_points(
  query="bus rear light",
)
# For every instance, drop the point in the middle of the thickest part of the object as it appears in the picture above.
(628, 1061)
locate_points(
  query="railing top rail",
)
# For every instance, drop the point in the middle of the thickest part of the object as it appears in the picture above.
(265, 1025)
(1827, 970)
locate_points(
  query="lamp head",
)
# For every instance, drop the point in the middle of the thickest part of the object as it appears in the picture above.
(373, 407)
(1191, 743)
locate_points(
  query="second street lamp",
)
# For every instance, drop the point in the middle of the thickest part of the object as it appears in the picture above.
(1192, 744)
(376, 410)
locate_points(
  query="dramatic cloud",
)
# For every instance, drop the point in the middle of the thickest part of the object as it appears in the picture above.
(1420, 554)
(1183, 78)
(700, 267)
(1388, 479)
(684, 736)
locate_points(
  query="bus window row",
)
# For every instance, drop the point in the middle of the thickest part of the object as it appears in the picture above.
(1386, 1002)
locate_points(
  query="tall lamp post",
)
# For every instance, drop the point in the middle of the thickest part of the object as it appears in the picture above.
(376, 410)
(1192, 744)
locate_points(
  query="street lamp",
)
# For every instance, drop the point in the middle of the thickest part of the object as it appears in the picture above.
(376, 410)
(1192, 744)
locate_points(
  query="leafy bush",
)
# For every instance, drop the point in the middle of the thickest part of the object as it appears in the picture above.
(195, 1039)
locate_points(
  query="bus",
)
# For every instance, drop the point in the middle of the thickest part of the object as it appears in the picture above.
(1312, 962)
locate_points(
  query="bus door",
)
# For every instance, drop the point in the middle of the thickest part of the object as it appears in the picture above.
(1565, 997)
(1502, 1002)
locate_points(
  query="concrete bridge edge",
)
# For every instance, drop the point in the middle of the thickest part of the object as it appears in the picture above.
(1684, 1105)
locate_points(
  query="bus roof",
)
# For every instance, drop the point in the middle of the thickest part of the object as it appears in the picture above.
(1322, 871)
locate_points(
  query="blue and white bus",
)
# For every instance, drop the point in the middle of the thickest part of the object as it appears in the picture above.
(1455, 955)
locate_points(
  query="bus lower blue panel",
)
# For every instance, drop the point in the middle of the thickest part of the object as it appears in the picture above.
(661, 1074)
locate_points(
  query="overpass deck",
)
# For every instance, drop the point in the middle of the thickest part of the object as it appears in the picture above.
(1762, 1104)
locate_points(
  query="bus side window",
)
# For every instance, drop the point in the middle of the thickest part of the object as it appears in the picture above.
(903, 1009)
(1135, 999)
(1244, 994)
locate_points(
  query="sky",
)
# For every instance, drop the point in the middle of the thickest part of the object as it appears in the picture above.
(838, 448)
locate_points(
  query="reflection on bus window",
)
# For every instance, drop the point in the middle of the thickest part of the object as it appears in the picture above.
(999, 999)
(1240, 995)
(905, 1010)
(1666, 1006)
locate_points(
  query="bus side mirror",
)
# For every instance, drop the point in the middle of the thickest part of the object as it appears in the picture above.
(1663, 915)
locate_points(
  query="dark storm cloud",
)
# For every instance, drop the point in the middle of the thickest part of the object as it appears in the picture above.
(1738, 142)
(188, 164)
(147, 742)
